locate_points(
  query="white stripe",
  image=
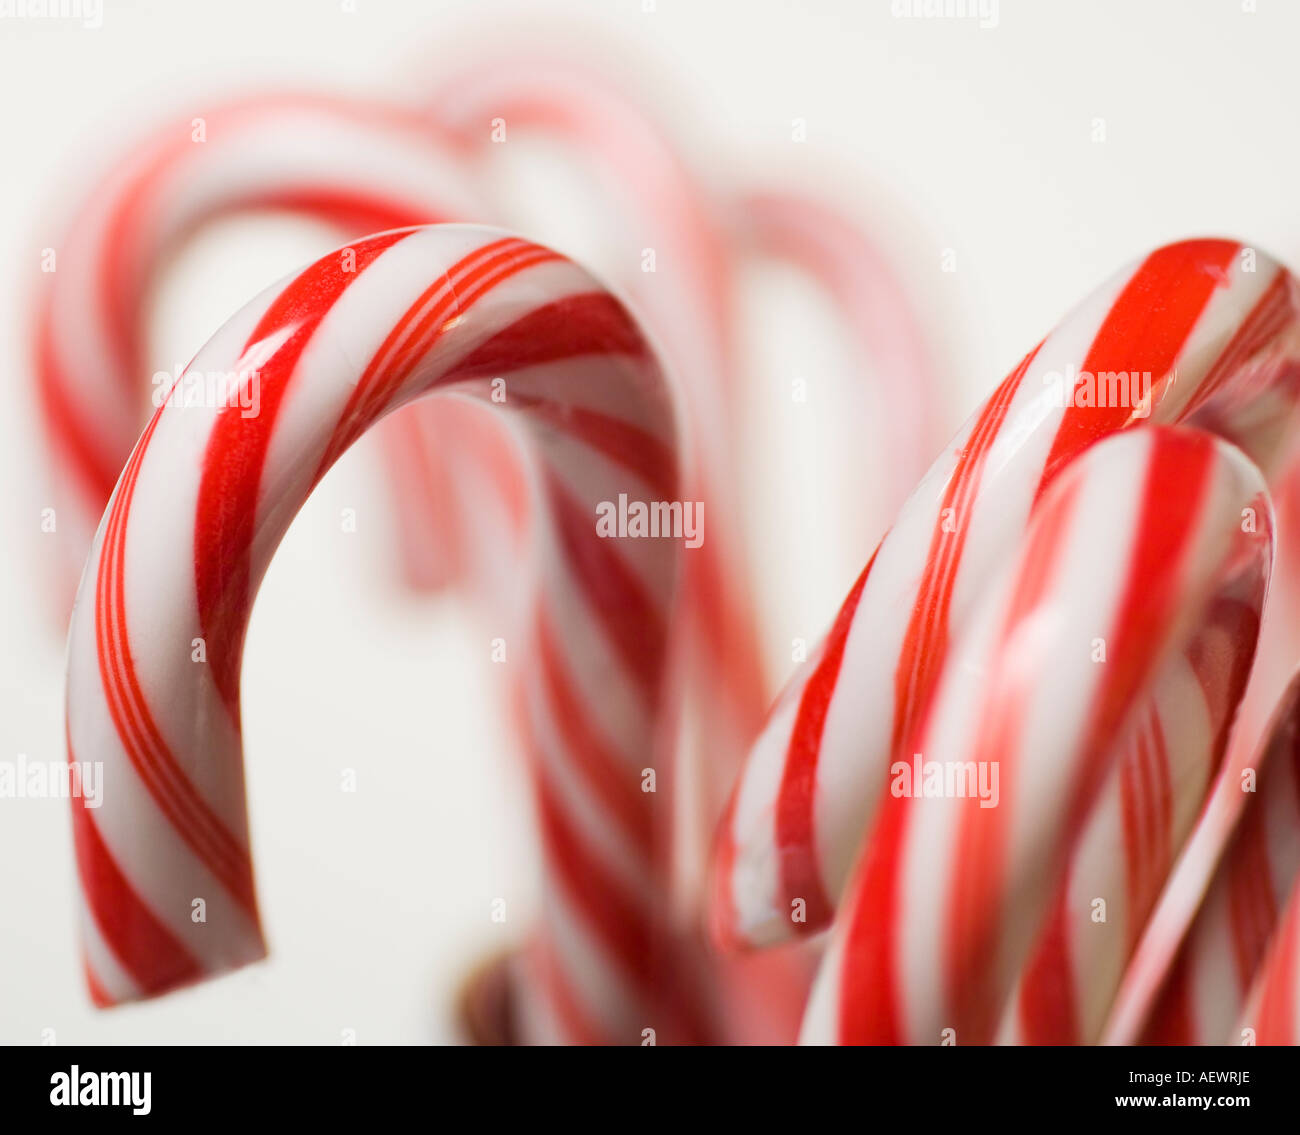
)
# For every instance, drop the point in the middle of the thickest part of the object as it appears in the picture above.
(101, 960)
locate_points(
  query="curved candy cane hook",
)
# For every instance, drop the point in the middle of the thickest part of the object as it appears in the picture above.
(361, 167)
(1198, 332)
(196, 517)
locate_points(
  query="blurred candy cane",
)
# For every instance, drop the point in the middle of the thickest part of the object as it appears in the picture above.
(1272, 1014)
(695, 241)
(1208, 981)
(1130, 552)
(362, 167)
(677, 258)
(1203, 332)
(668, 251)
(872, 302)
(196, 517)
(674, 263)
(1257, 718)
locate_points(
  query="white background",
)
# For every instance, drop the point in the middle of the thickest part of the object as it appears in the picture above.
(976, 140)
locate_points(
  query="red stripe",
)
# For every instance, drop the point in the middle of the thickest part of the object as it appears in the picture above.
(618, 920)
(613, 780)
(141, 739)
(574, 327)
(576, 1025)
(118, 275)
(635, 449)
(924, 645)
(1131, 815)
(227, 512)
(433, 536)
(1265, 319)
(474, 276)
(1149, 870)
(1166, 523)
(633, 623)
(416, 330)
(1144, 330)
(1166, 527)
(796, 844)
(1148, 864)
(154, 958)
(587, 323)
(1047, 994)
(869, 1012)
(976, 893)
(1171, 1021)
(422, 321)
(352, 210)
(99, 996)
(638, 940)
(438, 308)
(1049, 991)
(1223, 679)
(187, 809)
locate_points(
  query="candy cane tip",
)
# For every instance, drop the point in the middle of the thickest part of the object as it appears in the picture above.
(486, 1007)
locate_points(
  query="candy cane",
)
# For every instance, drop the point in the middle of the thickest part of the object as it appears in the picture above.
(1208, 981)
(1133, 835)
(196, 517)
(667, 210)
(662, 212)
(1131, 550)
(362, 167)
(1163, 936)
(1213, 327)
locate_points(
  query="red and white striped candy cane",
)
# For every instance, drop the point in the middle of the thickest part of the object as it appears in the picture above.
(1129, 554)
(659, 209)
(362, 167)
(663, 207)
(1132, 837)
(1256, 719)
(1204, 332)
(1210, 977)
(198, 512)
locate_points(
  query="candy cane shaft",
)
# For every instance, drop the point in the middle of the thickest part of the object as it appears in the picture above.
(1211, 974)
(1133, 544)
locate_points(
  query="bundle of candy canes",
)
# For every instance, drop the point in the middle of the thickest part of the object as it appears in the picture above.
(1008, 800)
